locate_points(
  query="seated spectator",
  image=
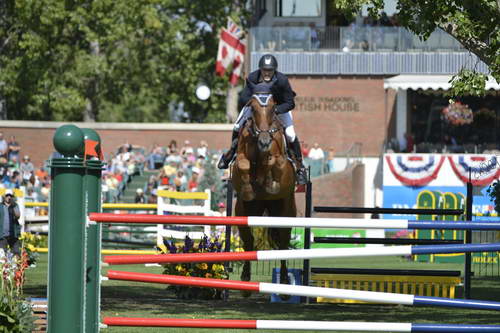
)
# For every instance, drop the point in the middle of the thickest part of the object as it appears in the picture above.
(174, 156)
(202, 150)
(26, 168)
(170, 170)
(180, 181)
(156, 158)
(193, 181)
(14, 148)
(4, 148)
(153, 198)
(139, 196)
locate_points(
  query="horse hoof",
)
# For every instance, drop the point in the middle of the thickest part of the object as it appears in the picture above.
(246, 293)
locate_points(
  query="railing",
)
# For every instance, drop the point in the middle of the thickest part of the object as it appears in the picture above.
(352, 38)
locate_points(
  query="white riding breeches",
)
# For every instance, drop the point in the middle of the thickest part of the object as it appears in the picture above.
(285, 119)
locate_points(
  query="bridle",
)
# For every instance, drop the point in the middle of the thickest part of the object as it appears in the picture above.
(263, 99)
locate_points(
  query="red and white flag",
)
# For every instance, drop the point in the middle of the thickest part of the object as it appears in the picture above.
(232, 48)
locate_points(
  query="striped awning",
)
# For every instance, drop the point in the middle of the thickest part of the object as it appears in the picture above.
(425, 82)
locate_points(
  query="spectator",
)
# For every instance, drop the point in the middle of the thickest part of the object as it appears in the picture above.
(364, 45)
(153, 198)
(314, 36)
(156, 157)
(10, 229)
(27, 169)
(193, 181)
(331, 156)
(202, 150)
(172, 146)
(305, 148)
(316, 153)
(170, 170)
(139, 196)
(4, 149)
(180, 181)
(14, 148)
(174, 157)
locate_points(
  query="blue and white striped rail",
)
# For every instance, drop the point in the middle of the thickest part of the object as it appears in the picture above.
(290, 222)
(286, 289)
(299, 254)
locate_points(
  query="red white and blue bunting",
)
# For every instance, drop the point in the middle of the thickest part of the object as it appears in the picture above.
(483, 169)
(415, 170)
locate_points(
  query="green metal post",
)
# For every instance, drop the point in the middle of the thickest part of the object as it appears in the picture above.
(66, 234)
(92, 190)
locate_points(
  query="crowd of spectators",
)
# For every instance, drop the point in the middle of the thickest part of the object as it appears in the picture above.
(16, 171)
(177, 168)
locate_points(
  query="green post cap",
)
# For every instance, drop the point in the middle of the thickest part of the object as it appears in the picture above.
(68, 140)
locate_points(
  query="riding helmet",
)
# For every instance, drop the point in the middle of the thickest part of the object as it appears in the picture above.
(268, 61)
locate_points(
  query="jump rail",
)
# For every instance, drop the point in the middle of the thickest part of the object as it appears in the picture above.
(295, 325)
(365, 210)
(298, 254)
(274, 288)
(291, 222)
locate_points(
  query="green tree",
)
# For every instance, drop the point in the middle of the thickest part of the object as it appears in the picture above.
(111, 60)
(474, 23)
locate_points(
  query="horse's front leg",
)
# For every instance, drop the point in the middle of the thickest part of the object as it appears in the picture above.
(276, 174)
(247, 192)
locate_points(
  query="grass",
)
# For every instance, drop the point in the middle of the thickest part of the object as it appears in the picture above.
(129, 299)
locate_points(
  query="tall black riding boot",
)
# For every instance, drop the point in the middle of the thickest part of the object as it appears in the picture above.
(226, 158)
(301, 170)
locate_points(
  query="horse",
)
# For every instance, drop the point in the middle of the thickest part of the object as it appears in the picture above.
(263, 177)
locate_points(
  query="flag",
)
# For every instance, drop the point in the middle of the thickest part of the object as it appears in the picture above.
(232, 48)
(91, 149)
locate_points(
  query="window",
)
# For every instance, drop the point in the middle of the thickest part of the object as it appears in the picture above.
(297, 8)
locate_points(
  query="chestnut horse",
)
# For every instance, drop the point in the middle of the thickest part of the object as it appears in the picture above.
(263, 177)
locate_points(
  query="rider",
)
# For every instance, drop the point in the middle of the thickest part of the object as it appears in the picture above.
(284, 97)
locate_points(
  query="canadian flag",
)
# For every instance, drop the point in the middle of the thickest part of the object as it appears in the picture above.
(231, 52)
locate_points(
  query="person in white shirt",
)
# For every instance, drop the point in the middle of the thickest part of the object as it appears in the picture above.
(316, 153)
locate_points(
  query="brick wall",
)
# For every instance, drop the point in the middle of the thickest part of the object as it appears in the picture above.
(338, 111)
(340, 189)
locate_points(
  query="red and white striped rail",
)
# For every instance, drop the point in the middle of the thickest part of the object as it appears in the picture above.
(291, 222)
(295, 325)
(298, 254)
(286, 289)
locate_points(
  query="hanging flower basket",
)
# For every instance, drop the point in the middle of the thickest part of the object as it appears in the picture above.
(457, 114)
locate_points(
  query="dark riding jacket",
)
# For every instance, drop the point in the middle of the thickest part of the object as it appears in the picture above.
(281, 90)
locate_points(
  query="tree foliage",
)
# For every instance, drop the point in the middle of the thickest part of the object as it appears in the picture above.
(114, 60)
(474, 23)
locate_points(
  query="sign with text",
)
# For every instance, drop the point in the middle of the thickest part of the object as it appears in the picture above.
(328, 104)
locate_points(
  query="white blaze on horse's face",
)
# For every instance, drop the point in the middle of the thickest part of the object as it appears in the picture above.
(263, 121)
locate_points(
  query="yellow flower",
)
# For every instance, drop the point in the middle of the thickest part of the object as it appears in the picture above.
(202, 266)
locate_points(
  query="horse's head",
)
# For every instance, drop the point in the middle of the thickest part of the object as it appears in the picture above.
(262, 104)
